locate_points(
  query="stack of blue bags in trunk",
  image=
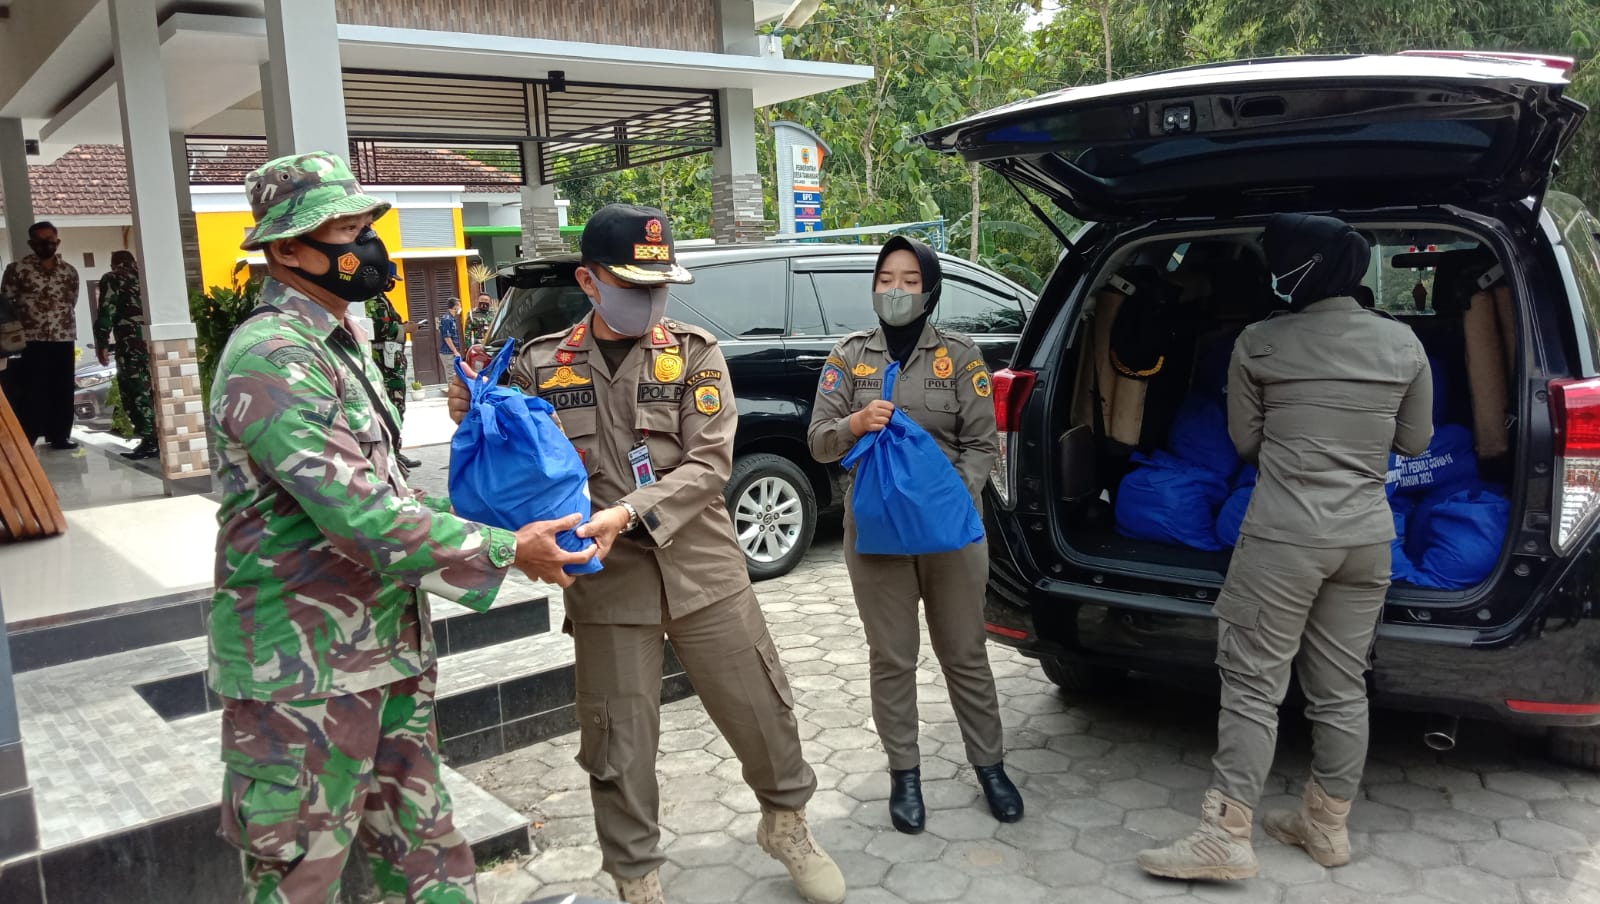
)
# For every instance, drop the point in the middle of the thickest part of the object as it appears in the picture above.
(1449, 525)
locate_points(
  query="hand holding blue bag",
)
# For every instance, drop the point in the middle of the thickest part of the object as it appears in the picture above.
(511, 465)
(908, 498)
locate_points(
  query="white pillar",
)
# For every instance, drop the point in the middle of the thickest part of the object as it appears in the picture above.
(14, 182)
(147, 140)
(737, 213)
(187, 226)
(158, 242)
(302, 87)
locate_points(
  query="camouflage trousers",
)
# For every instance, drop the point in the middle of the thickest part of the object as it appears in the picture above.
(305, 780)
(394, 386)
(133, 385)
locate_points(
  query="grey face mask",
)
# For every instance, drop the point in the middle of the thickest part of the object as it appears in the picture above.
(630, 311)
(897, 307)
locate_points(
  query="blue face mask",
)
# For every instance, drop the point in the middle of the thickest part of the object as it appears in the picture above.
(1304, 270)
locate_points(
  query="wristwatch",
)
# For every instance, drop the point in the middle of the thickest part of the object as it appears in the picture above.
(633, 516)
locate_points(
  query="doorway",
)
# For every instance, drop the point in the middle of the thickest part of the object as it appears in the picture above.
(430, 284)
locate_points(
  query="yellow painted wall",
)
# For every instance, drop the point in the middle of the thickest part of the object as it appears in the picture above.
(221, 232)
(220, 235)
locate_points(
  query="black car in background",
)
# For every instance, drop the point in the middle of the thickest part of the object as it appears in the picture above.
(776, 311)
(1444, 161)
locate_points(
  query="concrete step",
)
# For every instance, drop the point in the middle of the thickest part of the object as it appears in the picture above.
(523, 611)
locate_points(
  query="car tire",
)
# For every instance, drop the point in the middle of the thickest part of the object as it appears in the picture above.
(1077, 676)
(1579, 747)
(774, 512)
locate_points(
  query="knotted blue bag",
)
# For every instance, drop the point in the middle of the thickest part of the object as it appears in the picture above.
(511, 465)
(908, 498)
(1449, 463)
(1170, 500)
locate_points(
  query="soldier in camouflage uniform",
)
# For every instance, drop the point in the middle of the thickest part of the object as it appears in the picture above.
(320, 639)
(479, 321)
(119, 327)
(389, 334)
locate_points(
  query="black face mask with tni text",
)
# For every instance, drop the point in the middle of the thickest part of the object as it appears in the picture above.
(357, 270)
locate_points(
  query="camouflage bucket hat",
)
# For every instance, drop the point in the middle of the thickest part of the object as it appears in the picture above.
(294, 195)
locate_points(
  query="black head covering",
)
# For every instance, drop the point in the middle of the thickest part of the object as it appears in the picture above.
(1314, 257)
(902, 340)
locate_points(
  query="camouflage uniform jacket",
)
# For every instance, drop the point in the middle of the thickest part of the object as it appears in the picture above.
(120, 320)
(322, 547)
(478, 323)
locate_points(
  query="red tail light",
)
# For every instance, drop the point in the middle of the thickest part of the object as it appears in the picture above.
(1011, 391)
(1575, 412)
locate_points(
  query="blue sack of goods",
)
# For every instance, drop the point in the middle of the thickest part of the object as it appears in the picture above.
(1199, 435)
(511, 465)
(1170, 500)
(1401, 568)
(1230, 518)
(1449, 462)
(907, 498)
(1455, 537)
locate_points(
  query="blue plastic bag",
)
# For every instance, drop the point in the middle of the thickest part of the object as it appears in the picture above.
(908, 499)
(511, 465)
(1449, 462)
(1460, 538)
(1400, 567)
(1199, 435)
(1169, 500)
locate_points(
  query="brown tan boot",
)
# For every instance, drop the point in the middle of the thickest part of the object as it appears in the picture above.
(1219, 849)
(785, 835)
(1318, 826)
(644, 890)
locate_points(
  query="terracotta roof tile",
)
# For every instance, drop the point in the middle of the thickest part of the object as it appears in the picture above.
(92, 179)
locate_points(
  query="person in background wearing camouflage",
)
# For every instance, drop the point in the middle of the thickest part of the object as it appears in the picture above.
(478, 322)
(119, 327)
(389, 334)
(320, 642)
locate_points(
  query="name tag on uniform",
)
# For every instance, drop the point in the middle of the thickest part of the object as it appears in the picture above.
(644, 473)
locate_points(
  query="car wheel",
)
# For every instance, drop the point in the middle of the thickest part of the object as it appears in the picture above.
(1578, 747)
(1076, 676)
(774, 512)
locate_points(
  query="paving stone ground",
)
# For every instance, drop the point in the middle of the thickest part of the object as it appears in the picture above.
(1492, 822)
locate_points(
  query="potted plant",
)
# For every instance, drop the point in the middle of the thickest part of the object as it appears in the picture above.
(417, 392)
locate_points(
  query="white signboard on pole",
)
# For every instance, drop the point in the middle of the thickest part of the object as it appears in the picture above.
(800, 153)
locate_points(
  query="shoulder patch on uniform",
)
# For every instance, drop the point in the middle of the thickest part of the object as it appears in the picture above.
(981, 384)
(291, 354)
(974, 365)
(704, 376)
(319, 416)
(707, 399)
(831, 375)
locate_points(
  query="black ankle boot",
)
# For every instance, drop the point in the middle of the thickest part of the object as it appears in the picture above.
(1005, 801)
(905, 800)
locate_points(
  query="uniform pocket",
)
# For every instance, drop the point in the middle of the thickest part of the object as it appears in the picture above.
(1236, 630)
(768, 654)
(594, 736)
(659, 424)
(265, 815)
(943, 401)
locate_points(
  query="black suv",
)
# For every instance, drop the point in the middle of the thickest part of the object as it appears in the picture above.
(1443, 160)
(777, 311)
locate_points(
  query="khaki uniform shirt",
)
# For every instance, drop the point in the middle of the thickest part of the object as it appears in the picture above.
(945, 387)
(672, 394)
(1318, 399)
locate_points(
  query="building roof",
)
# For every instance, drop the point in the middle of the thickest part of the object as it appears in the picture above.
(92, 179)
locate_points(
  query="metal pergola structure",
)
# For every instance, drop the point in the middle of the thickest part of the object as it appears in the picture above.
(403, 123)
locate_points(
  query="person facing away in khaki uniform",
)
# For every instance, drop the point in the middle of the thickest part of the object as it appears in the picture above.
(648, 404)
(1317, 398)
(944, 386)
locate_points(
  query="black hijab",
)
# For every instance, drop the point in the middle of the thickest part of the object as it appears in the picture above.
(902, 340)
(1314, 257)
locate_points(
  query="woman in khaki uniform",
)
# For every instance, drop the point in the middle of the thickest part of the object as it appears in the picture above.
(944, 386)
